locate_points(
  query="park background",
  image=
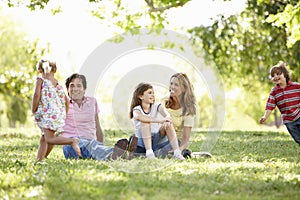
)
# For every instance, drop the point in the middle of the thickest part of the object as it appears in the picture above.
(240, 39)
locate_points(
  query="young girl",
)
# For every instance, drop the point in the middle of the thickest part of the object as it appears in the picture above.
(144, 110)
(49, 110)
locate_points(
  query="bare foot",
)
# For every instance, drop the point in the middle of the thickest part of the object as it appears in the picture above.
(76, 146)
(39, 159)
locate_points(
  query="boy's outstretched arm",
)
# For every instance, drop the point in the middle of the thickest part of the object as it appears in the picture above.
(265, 117)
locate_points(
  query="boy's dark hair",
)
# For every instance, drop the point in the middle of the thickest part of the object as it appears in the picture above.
(73, 76)
(279, 69)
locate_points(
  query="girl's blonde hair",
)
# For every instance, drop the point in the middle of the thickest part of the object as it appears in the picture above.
(135, 101)
(187, 98)
(50, 66)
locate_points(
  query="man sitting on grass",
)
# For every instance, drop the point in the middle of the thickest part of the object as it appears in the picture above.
(82, 122)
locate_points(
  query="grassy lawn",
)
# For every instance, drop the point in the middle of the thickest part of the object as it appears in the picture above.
(245, 165)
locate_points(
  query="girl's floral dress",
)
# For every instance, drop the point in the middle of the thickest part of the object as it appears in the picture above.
(51, 112)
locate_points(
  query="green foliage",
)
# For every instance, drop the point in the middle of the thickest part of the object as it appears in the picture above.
(244, 47)
(206, 115)
(245, 165)
(14, 111)
(244, 44)
(129, 19)
(284, 14)
(32, 4)
(119, 12)
(17, 69)
(288, 17)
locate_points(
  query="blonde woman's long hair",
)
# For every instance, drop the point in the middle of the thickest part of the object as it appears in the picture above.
(187, 98)
(135, 101)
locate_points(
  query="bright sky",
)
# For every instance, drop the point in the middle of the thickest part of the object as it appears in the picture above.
(74, 33)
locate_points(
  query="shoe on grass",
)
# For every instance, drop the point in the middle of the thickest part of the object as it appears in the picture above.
(120, 149)
(203, 154)
(186, 153)
(132, 145)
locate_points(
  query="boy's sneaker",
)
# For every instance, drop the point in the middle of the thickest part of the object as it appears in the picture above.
(120, 149)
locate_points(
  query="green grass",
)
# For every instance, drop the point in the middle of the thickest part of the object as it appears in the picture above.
(245, 165)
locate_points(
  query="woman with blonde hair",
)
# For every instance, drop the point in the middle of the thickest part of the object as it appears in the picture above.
(181, 104)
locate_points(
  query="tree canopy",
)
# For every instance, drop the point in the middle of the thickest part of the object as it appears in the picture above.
(242, 46)
(245, 46)
(17, 69)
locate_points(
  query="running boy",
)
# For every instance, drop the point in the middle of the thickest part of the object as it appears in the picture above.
(286, 96)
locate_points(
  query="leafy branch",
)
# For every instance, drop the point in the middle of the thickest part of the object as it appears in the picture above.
(171, 4)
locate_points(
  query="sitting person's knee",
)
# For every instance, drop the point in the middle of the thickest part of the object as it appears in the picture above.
(162, 131)
(167, 126)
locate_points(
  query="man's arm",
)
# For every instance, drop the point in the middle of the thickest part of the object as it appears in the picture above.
(99, 132)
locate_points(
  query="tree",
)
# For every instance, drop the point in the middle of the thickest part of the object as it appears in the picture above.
(119, 12)
(289, 17)
(17, 69)
(244, 36)
(243, 47)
